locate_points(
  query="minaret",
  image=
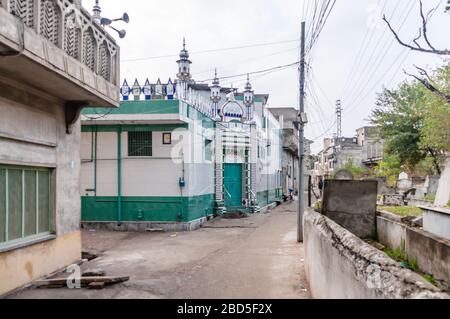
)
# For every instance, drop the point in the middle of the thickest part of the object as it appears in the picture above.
(215, 95)
(184, 71)
(248, 98)
(97, 11)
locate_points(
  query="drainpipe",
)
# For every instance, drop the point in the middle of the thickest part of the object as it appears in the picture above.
(119, 176)
(182, 184)
(95, 162)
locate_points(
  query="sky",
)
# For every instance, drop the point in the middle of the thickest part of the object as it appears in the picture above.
(353, 59)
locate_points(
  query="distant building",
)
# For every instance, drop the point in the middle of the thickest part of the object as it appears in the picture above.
(184, 153)
(288, 118)
(364, 150)
(54, 60)
(370, 140)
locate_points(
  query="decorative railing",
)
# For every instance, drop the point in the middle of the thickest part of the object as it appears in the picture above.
(71, 28)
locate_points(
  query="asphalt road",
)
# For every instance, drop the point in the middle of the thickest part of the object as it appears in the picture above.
(255, 257)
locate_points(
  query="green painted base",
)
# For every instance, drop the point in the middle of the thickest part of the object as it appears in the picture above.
(147, 209)
(267, 197)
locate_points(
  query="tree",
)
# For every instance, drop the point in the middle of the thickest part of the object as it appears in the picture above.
(389, 168)
(399, 117)
(415, 122)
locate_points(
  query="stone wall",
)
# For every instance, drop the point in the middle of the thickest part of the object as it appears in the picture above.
(341, 265)
(352, 204)
(431, 252)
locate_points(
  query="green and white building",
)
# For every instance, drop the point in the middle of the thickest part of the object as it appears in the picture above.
(184, 153)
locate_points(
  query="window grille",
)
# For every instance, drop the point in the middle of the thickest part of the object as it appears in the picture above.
(139, 143)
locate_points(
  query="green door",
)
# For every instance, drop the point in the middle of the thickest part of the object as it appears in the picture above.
(232, 179)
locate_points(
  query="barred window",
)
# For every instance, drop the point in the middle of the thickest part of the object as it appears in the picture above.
(24, 203)
(139, 143)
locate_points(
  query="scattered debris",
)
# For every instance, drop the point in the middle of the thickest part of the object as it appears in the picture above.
(88, 255)
(375, 244)
(303, 288)
(174, 235)
(96, 285)
(228, 227)
(84, 281)
(235, 215)
(155, 230)
(94, 273)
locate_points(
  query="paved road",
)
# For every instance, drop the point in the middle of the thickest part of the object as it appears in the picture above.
(255, 257)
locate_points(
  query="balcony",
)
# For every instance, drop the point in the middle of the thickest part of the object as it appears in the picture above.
(56, 47)
(290, 141)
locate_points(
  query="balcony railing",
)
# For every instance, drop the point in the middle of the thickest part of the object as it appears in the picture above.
(71, 28)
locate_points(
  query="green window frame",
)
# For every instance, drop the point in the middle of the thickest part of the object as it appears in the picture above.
(25, 203)
(140, 144)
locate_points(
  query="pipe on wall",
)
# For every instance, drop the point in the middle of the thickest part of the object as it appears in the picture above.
(119, 175)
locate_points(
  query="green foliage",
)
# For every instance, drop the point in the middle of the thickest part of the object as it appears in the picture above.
(415, 123)
(430, 279)
(318, 205)
(400, 256)
(389, 168)
(403, 211)
(358, 172)
(397, 254)
(436, 124)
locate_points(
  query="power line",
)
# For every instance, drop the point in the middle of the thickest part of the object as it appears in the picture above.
(254, 72)
(369, 64)
(247, 60)
(355, 100)
(211, 50)
(361, 52)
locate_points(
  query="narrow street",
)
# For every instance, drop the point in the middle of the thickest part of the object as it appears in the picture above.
(255, 257)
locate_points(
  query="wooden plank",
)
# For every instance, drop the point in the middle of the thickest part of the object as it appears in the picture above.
(84, 281)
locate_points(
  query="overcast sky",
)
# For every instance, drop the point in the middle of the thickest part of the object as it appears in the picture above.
(158, 27)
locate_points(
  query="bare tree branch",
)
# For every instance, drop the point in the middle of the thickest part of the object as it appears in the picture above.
(423, 72)
(422, 32)
(417, 38)
(430, 86)
(424, 25)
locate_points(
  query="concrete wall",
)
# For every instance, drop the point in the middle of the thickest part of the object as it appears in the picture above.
(352, 204)
(33, 133)
(436, 221)
(391, 231)
(21, 266)
(342, 266)
(431, 252)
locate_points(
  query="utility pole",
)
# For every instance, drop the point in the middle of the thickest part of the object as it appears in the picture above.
(339, 118)
(301, 148)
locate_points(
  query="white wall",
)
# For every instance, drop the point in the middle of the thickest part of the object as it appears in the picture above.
(149, 176)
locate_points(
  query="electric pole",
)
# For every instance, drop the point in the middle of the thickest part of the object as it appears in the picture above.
(339, 118)
(301, 148)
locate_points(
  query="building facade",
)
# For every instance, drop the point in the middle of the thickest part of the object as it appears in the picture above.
(364, 150)
(54, 60)
(177, 153)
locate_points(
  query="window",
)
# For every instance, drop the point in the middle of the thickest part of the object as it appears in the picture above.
(208, 150)
(24, 203)
(139, 144)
